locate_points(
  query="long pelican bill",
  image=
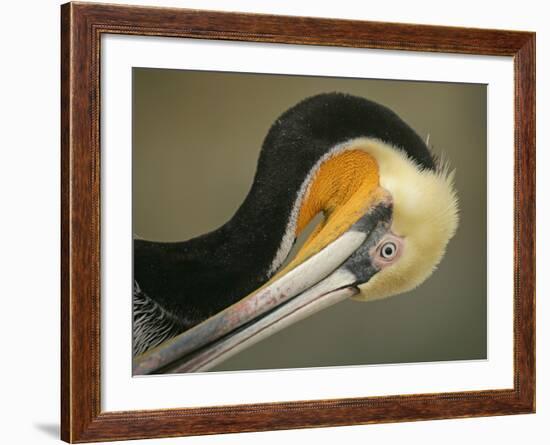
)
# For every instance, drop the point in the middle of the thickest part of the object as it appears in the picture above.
(337, 257)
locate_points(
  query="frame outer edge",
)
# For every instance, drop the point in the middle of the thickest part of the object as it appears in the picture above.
(525, 97)
(80, 229)
(81, 416)
(66, 47)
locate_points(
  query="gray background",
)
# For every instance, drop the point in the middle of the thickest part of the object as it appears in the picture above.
(196, 139)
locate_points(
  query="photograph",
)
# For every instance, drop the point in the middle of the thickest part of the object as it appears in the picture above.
(274, 215)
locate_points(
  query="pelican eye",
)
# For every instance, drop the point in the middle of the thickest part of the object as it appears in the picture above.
(388, 250)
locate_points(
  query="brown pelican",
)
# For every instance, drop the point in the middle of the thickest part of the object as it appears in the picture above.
(389, 209)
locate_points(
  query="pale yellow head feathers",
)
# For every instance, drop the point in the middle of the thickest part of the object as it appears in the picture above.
(344, 186)
(425, 214)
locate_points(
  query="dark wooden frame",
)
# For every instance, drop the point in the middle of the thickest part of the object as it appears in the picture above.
(82, 25)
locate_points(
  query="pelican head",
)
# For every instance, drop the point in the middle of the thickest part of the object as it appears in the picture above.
(424, 219)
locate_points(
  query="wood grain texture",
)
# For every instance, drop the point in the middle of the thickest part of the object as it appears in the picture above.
(81, 28)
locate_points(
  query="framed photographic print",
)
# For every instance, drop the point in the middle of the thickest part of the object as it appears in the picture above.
(279, 222)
